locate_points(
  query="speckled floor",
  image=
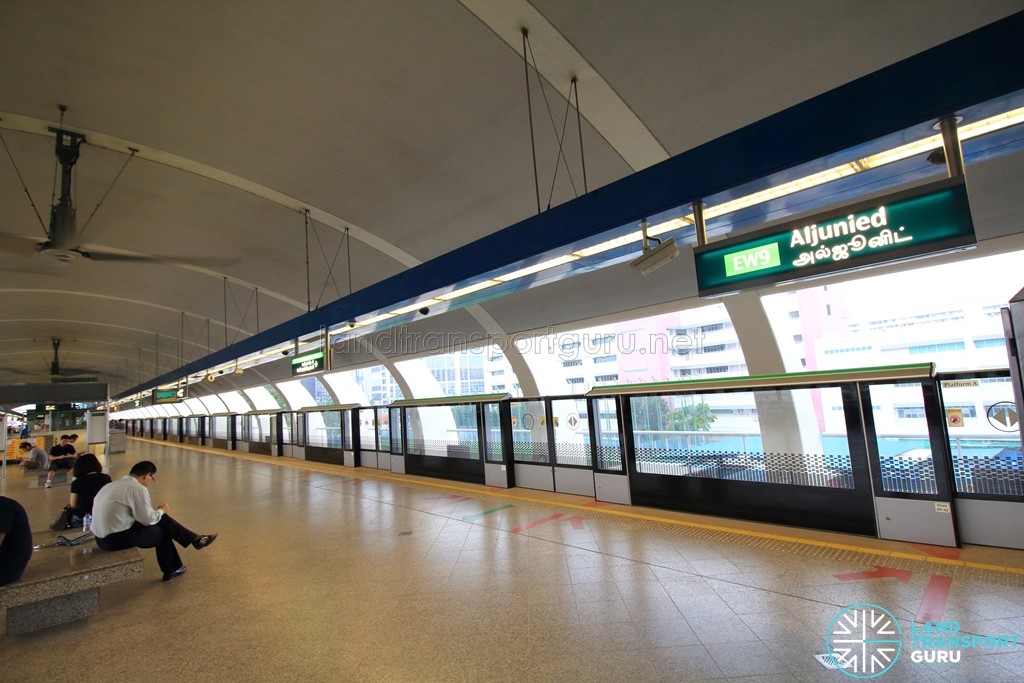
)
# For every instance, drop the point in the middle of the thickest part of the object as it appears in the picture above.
(331, 574)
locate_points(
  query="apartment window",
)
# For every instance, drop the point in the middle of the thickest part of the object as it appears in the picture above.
(989, 343)
(848, 349)
(605, 359)
(716, 369)
(798, 338)
(607, 378)
(572, 363)
(793, 315)
(714, 348)
(712, 327)
(909, 411)
(937, 348)
(574, 380)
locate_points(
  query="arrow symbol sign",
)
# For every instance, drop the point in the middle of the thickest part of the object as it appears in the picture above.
(879, 573)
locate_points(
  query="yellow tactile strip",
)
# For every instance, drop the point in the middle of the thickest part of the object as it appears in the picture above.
(975, 571)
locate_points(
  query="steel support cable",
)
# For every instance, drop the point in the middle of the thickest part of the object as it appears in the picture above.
(242, 315)
(348, 251)
(554, 127)
(305, 219)
(24, 187)
(111, 187)
(529, 111)
(561, 156)
(330, 266)
(579, 127)
(56, 163)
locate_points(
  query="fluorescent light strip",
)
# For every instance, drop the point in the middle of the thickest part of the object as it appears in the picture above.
(530, 270)
(468, 290)
(415, 307)
(977, 129)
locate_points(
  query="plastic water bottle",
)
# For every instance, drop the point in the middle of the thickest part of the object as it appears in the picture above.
(87, 523)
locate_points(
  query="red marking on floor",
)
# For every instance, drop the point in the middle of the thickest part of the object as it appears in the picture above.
(495, 489)
(936, 594)
(879, 573)
(937, 551)
(537, 523)
(446, 501)
(577, 522)
(595, 503)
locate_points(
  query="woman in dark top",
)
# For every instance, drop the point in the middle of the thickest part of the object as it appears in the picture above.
(89, 479)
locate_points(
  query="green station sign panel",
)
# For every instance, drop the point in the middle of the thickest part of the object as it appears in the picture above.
(925, 220)
(308, 363)
(168, 395)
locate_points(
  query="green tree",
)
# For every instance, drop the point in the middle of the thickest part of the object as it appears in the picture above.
(692, 418)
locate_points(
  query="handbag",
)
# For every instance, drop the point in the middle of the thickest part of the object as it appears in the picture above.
(60, 522)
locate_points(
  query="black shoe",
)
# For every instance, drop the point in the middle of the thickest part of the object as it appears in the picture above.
(176, 573)
(204, 541)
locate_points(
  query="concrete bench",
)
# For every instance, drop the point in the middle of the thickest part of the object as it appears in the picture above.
(62, 584)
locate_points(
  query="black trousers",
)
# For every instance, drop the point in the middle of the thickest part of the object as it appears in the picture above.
(161, 536)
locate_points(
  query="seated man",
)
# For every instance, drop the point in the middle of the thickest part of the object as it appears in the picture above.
(34, 458)
(123, 517)
(15, 541)
(62, 456)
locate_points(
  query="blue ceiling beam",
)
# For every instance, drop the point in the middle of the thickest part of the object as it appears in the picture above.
(978, 66)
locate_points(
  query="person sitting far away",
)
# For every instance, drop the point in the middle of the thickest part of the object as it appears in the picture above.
(89, 479)
(35, 458)
(62, 456)
(123, 517)
(15, 541)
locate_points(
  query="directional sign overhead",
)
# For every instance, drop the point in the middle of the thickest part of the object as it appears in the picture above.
(168, 395)
(924, 220)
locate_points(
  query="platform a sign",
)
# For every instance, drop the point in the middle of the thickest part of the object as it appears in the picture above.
(924, 220)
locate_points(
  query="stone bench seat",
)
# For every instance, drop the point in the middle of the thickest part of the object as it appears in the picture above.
(62, 584)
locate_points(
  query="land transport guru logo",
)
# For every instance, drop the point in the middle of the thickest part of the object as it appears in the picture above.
(865, 640)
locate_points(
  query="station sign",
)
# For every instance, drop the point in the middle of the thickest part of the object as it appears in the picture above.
(308, 363)
(924, 220)
(168, 395)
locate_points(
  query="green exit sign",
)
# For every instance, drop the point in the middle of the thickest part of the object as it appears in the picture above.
(924, 220)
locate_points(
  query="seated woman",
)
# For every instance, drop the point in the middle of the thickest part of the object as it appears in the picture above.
(89, 479)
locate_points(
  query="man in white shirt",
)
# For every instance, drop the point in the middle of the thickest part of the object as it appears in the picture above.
(123, 517)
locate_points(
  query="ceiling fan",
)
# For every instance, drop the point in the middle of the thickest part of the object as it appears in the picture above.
(63, 238)
(56, 373)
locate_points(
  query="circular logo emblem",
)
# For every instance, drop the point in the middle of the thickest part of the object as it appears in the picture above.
(528, 421)
(865, 640)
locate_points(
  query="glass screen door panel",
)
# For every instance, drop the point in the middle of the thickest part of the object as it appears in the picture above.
(572, 432)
